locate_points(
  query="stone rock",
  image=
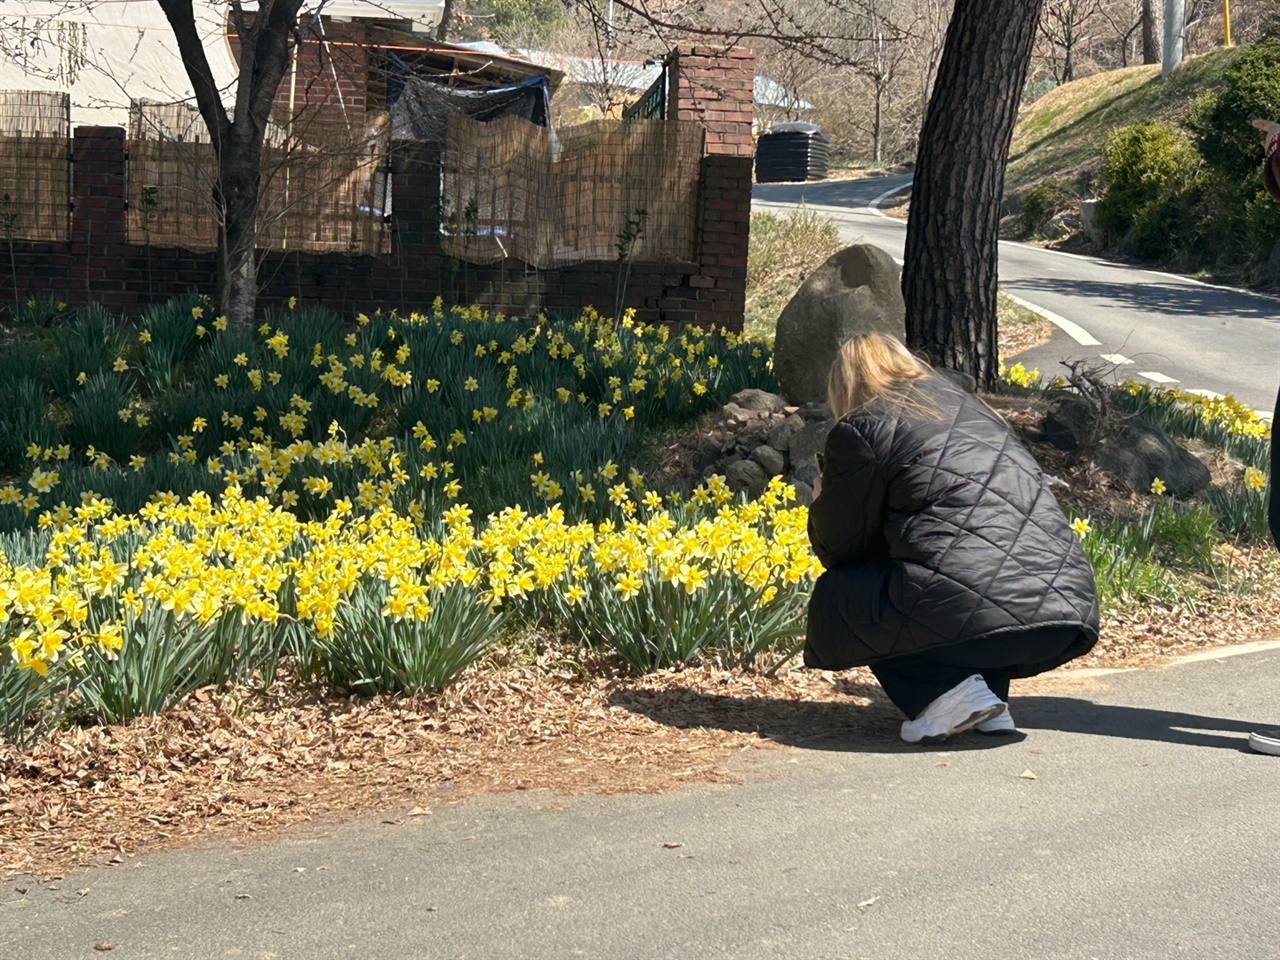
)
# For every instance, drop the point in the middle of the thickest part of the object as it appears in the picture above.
(760, 401)
(1069, 423)
(769, 459)
(746, 476)
(857, 290)
(708, 452)
(804, 493)
(780, 436)
(1089, 223)
(807, 473)
(1138, 453)
(806, 444)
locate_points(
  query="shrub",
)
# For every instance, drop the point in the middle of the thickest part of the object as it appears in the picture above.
(1042, 203)
(1142, 164)
(1220, 122)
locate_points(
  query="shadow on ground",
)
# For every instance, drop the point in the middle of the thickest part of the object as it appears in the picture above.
(868, 723)
(1174, 299)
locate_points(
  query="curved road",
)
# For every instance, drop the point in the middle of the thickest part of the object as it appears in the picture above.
(1151, 326)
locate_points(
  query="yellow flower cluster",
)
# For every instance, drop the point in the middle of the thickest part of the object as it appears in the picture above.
(1237, 418)
(202, 559)
(266, 437)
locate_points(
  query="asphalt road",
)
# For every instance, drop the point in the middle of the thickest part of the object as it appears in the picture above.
(1170, 330)
(1149, 832)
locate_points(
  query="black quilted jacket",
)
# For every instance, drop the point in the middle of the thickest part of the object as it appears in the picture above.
(936, 531)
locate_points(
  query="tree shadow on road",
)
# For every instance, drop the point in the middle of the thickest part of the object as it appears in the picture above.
(1177, 299)
(866, 722)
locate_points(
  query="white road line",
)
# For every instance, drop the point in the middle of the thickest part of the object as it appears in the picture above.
(874, 205)
(1156, 376)
(1077, 333)
(1207, 394)
(1118, 359)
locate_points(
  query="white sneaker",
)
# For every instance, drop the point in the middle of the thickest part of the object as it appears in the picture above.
(1265, 741)
(961, 708)
(1001, 723)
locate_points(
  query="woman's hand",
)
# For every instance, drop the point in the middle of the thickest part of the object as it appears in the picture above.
(817, 485)
(1271, 134)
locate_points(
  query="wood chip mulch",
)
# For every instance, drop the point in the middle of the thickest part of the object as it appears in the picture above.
(238, 766)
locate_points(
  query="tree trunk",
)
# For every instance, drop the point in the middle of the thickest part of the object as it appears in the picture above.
(877, 136)
(265, 39)
(949, 278)
(446, 19)
(239, 180)
(1150, 49)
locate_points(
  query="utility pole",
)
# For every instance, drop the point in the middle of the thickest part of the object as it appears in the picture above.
(1226, 23)
(1175, 28)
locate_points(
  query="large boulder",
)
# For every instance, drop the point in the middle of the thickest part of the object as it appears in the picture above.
(1138, 453)
(855, 291)
(758, 401)
(805, 445)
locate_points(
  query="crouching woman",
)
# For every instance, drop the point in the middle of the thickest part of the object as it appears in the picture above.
(950, 568)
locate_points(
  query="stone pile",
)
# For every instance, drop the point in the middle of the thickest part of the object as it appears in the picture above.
(760, 436)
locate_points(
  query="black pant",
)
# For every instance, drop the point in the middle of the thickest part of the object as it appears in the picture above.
(915, 680)
(1274, 512)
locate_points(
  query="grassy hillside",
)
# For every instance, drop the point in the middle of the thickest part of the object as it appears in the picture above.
(1059, 137)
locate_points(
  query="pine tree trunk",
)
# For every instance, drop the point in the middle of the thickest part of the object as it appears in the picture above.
(1150, 49)
(949, 278)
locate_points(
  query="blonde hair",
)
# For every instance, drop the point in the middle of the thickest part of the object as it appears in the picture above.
(872, 365)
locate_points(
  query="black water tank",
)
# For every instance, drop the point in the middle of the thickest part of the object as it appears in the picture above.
(792, 152)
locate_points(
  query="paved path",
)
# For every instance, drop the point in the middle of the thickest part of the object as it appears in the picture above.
(1149, 832)
(1148, 325)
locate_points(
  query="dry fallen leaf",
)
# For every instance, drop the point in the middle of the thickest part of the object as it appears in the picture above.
(672, 846)
(867, 903)
(104, 945)
(1027, 775)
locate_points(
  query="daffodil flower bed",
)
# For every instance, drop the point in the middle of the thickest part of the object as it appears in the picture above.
(115, 615)
(408, 413)
(371, 506)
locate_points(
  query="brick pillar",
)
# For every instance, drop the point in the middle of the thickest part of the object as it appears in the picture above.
(98, 213)
(716, 87)
(724, 231)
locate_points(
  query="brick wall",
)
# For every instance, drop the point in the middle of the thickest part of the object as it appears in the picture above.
(327, 84)
(715, 86)
(98, 264)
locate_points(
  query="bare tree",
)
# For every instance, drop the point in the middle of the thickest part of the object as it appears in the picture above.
(1065, 26)
(266, 40)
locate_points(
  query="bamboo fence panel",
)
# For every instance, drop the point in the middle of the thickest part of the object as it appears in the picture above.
(35, 165)
(601, 190)
(318, 197)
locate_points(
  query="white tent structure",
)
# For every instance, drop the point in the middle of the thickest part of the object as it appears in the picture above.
(108, 53)
(105, 54)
